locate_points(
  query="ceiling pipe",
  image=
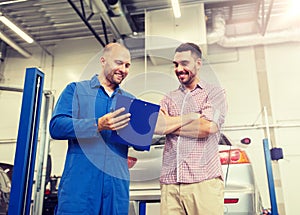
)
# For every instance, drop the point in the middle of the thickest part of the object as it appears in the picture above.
(217, 35)
(289, 35)
(118, 17)
(218, 29)
(98, 7)
(115, 7)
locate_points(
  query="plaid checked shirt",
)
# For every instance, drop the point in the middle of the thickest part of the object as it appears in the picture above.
(190, 160)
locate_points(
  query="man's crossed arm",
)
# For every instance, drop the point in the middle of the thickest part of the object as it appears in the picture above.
(190, 125)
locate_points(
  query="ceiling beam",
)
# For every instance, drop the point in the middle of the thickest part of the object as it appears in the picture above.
(266, 18)
(86, 21)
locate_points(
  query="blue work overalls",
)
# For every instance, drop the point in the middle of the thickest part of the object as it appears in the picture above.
(95, 179)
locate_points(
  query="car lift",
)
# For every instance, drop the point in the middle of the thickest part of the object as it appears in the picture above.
(273, 154)
(142, 208)
(270, 155)
(22, 181)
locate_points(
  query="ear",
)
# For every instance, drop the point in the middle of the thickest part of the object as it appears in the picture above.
(199, 62)
(102, 60)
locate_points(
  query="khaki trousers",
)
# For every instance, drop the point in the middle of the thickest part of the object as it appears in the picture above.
(203, 198)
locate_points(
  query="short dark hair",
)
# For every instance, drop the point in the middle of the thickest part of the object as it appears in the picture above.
(195, 49)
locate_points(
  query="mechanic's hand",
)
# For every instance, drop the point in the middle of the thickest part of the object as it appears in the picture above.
(113, 120)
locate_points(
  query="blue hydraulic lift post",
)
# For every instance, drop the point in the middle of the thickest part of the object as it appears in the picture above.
(22, 181)
(142, 208)
(274, 210)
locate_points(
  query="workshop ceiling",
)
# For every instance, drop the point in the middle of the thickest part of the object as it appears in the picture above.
(51, 21)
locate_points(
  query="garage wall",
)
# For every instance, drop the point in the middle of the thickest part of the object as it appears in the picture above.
(74, 59)
(64, 66)
(283, 70)
(13, 69)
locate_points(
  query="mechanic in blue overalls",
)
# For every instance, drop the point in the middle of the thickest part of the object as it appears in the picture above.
(95, 179)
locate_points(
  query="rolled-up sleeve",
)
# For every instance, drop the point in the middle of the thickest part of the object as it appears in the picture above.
(215, 107)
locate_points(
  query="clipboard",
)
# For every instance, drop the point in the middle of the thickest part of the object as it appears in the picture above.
(139, 132)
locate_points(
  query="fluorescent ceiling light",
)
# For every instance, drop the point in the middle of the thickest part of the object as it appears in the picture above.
(16, 29)
(176, 8)
(11, 2)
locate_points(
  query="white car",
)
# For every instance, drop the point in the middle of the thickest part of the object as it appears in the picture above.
(241, 195)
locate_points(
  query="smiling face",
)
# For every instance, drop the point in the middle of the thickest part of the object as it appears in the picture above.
(186, 67)
(116, 62)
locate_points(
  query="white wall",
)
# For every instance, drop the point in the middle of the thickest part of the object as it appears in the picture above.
(14, 73)
(283, 71)
(238, 77)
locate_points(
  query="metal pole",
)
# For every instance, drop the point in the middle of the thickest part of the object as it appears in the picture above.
(13, 89)
(43, 155)
(272, 193)
(267, 124)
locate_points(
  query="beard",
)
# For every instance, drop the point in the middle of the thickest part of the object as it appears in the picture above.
(185, 77)
(115, 78)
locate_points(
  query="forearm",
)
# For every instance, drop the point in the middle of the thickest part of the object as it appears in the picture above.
(198, 128)
(167, 124)
(64, 127)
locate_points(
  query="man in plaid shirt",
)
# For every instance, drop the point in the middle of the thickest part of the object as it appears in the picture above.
(191, 117)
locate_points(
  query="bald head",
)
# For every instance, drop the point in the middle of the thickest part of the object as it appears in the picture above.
(114, 47)
(115, 62)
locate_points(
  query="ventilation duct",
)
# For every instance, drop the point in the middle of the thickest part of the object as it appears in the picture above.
(118, 17)
(98, 7)
(112, 15)
(115, 7)
(218, 36)
(218, 29)
(257, 39)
